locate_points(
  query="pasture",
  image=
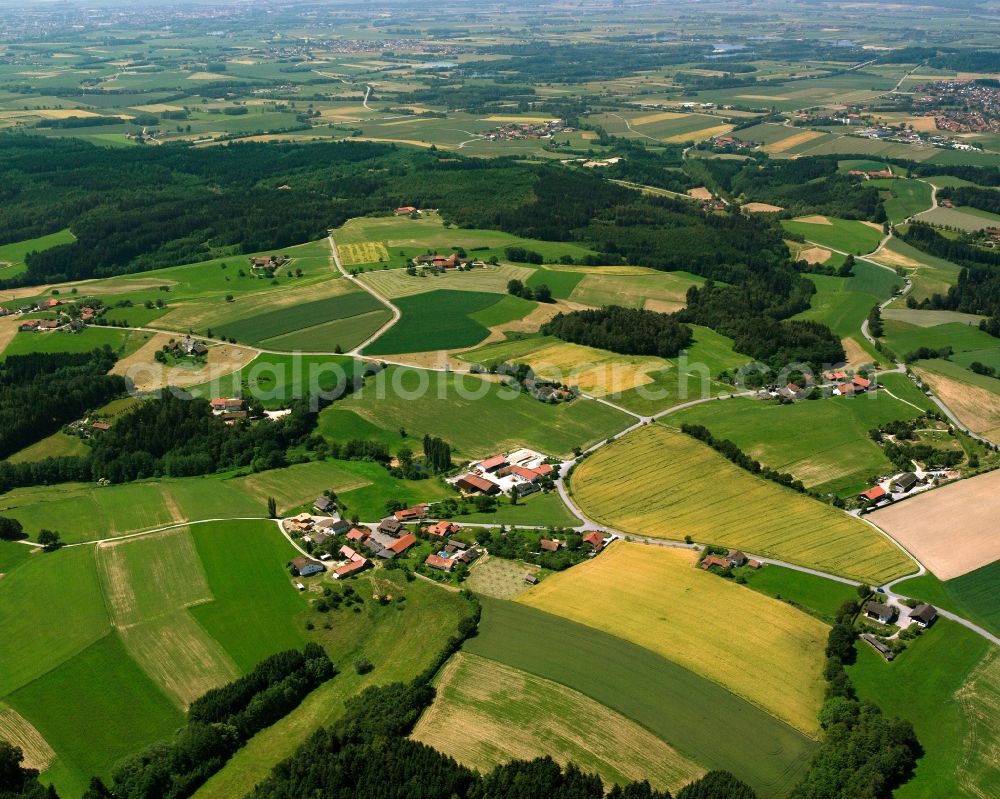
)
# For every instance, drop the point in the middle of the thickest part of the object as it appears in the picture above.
(445, 320)
(12, 255)
(930, 275)
(58, 445)
(635, 287)
(965, 218)
(816, 595)
(122, 342)
(664, 484)
(903, 197)
(950, 529)
(657, 693)
(845, 235)
(656, 597)
(933, 685)
(904, 337)
(476, 416)
(486, 714)
(972, 595)
(823, 443)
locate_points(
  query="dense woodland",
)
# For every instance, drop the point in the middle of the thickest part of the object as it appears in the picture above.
(974, 196)
(39, 393)
(628, 331)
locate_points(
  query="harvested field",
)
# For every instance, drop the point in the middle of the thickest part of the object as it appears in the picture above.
(17, 730)
(395, 283)
(664, 484)
(977, 407)
(662, 606)
(792, 141)
(8, 329)
(872, 225)
(761, 208)
(487, 713)
(499, 577)
(815, 255)
(660, 116)
(700, 193)
(369, 252)
(699, 135)
(815, 219)
(148, 375)
(951, 530)
(856, 354)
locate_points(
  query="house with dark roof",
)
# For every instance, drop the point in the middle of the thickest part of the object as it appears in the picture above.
(323, 504)
(905, 482)
(474, 484)
(736, 558)
(390, 526)
(924, 615)
(880, 612)
(306, 566)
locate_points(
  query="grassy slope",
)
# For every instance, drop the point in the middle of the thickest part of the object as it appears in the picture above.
(664, 484)
(58, 445)
(920, 686)
(841, 234)
(817, 595)
(657, 693)
(972, 595)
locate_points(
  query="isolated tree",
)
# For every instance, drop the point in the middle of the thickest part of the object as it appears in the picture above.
(50, 540)
(272, 508)
(11, 530)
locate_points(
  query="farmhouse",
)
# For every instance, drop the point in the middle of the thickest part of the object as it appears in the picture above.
(188, 346)
(380, 544)
(736, 558)
(318, 537)
(880, 612)
(437, 562)
(924, 615)
(306, 566)
(715, 560)
(411, 514)
(100, 427)
(549, 545)
(873, 494)
(861, 384)
(323, 504)
(358, 535)
(403, 544)
(222, 405)
(333, 525)
(406, 210)
(443, 529)
(595, 539)
(351, 567)
(267, 266)
(473, 484)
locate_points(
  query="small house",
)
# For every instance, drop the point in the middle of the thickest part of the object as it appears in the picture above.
(306, 566)
(437, 562)
(443, 528)
(715, 560)
(390, 526)
(924, 615)
(411, 514)
(736, 558)
(324, 505)
(879, 611)
(873, 494)
(595, 539)
(351, 567)
(334, 526)
(530, 579)
(548, 545)
(358, 535)
(318, 537)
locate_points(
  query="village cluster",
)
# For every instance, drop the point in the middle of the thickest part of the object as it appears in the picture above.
(519, 474)
(69, 315)
(528, 130)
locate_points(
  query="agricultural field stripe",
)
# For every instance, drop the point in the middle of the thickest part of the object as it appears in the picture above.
(309, 314)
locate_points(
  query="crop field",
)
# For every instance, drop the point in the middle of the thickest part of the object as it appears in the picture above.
(930, 274)
(265, 327)
(792, 141)
(973, 398)
(664, 484)
(948, 529)
(395, 283)
(964, 218)
(933, 685)
(824, 443)
(444, 320)
(660, 607)
(486, 714)
(366, 252)
(846, 235)
(475, 416)
(121, 341)
(657, 693)
(646, 288)
(17, 730)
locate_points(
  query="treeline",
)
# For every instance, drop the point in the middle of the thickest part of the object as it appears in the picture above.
(974, 196)
(17, 781)
(864, 755)
(219, 723)
(734, 454)
(627, 331)
(40, 392)
(368, 755)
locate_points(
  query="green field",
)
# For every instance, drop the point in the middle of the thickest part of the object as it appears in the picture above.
(903, 197)
(634, 287)
(903, 337)
(58, 445)
(964, 218)
(920, 686)
(971, 595)
(445, 319)
(816, 595)
(475, 416)
(122, 342)
(561, 282)
(664, 484)
(310, 323)
(534, 509)
(765, 752)
(930, 275)
(845, 235)
(823, 443)
(12, 255)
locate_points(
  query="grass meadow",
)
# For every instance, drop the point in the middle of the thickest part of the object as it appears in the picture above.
(774, 645)
(972, 595)
(930, 685)
(846, 235)
(664, 484)
(824, 443)
(12, 255)
(487, 713)
(903, 197)
(656, 692)
(816, 595)
(395, 283)
(122, 342)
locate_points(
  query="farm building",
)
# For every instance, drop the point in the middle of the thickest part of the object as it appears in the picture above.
(595, 539)
(100, 427)
(443, 529)
(267, 266)
(358, 534)
(924, 615)
(406, 210)
(411, 514)
(473, 484)
(736, 558)
(549, 545)
(351, 567)
(493, 464)
(877, 645)
(873, 494)
(323, 504)
(437, 562)
(403, 544)
(880, 612)
(306, 566)
(905, 482)
(530, 579)
(714, 560)
(221, 405)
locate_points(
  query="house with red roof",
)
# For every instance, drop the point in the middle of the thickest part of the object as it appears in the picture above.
(861, 384)
(494, 463)
(405, 210)
(358, 534)
(402, 544)
(443, 528)
(472, 484)
(873, 494)
(595, 539)
(437, 562)
(411, 514)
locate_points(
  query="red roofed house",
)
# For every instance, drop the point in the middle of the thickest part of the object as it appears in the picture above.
(492, 464)
(873, 493)
(411, 514)
(836, 375)
(715, 560)
(358, 534)
(521, 471)
(471, 483)
(595, 539)
(100, 427)
(548, 545)
(845, 389)
(403, 544)
(443, 528)
(437, 562)
(545, 468)
(353, 567)
(861, 383)
(405, 210)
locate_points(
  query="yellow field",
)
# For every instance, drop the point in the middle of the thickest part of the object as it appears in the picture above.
(661, 116)
(761, 208)
(699, 135)
(516, 118)
(792, 141)
(17, 730)
(368, 252)
(664, 484)
(977, 407)
(980, 700)
(396, 283)
(157, 108)
(486, 714)
(760, 648)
